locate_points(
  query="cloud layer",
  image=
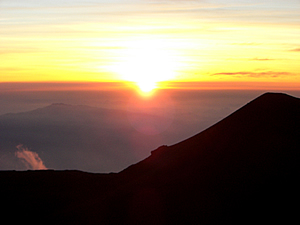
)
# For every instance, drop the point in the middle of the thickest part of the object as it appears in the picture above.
(242, 74)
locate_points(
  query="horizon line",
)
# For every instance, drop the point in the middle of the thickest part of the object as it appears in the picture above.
(111, 85)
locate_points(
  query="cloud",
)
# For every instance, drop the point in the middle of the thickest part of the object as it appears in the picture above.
(261, 59)
(30, 159)
(11, 69)
(295, 50)
(253, 74)
(246, 43)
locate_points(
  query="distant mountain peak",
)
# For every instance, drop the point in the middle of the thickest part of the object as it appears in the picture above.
(60, 104)
(275, 95)
(272, 101)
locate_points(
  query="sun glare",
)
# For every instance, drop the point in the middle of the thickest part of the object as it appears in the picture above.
(146, 87)
(146, 63)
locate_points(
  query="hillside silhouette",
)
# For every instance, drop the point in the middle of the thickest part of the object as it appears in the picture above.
(242, 170)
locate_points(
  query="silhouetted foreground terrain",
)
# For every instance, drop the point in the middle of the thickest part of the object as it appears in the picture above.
(242, 170)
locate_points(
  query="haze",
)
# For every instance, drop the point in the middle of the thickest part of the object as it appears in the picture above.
(100, 127)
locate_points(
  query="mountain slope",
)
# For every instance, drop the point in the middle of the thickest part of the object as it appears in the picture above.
(257, 146)
(242, 170)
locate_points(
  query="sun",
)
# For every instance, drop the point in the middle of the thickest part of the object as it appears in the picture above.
(146, 87)
(146, 63)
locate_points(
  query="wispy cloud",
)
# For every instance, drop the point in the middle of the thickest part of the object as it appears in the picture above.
(261, 59)
(30, 159)
(10, 69)
(246, 43)
(243, 74)
(295, 50)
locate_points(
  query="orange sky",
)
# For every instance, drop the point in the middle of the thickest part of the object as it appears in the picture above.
(148, 41)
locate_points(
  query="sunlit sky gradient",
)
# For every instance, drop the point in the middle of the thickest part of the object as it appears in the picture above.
(151, 40)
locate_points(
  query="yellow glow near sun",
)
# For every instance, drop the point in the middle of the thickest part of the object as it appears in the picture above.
(146, 63)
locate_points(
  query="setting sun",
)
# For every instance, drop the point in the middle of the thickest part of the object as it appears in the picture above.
(146, 63)
(146, 87)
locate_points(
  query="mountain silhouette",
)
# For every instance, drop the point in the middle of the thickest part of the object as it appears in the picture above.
(242, 170)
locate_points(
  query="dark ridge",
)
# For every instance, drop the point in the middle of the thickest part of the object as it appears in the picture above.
(241, 170)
